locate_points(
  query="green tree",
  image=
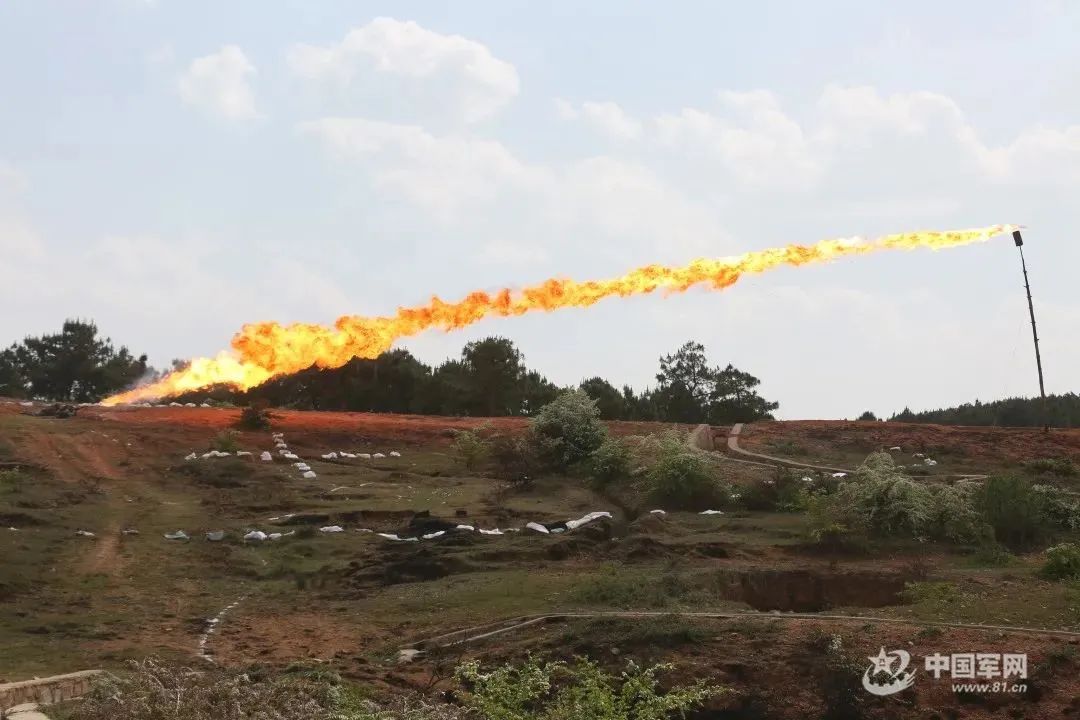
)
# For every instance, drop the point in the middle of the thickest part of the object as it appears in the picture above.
(495, 372)
(73, 365)
(734, 398)
(609, 401)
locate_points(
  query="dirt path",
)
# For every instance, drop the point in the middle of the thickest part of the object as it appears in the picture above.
(733, 446)
(483, 632)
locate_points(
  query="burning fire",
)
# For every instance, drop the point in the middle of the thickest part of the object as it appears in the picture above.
(265, 350)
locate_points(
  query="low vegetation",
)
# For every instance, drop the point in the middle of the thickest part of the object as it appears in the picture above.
(152, 690)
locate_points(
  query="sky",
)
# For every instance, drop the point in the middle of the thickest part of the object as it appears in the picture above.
(173, 170)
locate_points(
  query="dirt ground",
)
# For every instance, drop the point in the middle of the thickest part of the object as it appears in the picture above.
(350, 601)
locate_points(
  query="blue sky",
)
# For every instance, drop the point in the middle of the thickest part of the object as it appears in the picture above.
(174, 170)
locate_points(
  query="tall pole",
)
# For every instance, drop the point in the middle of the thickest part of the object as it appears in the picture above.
(1034, 331)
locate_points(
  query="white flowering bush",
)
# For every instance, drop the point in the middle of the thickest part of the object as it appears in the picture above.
(567, 430)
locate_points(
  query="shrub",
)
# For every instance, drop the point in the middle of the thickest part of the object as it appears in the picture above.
(1062, 467)
(12, 480)
(470, 447)
(682, 479)
(785, 491)
(1062, 562)
(954, 515)
(226, 441)
(153, 690)
(254, 417)
(515, 459)
(1057, 507)
(557, 690)
(1012, 509)
(884, 506)
(609, 462)
(567, 430)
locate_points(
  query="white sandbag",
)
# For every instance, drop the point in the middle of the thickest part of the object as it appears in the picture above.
(330, 456)
(274, 536)
(537, 527)
(255, 536)
(265, 456)
(346, 454)
(310, 475)
(496, 531)
(277, 435)
(291, 456)
(175, 404)
(205, 405)
(928, 461)
(129, 531)
(895, 448)
(389, 536)
(178, 535)
(395, 453)
(711, 512)
(657, 512)
(432, 536)
(191, 456)
(27, 403)
(807, 479)
(839, 474)
(207, 455)
(574, 524)
(332, 529)
(303, 467)
(367, 530)
(243, 453)
(215, 535)
(919, 455)
(84, 533)
(189, 405)
(470, 528)
(377, 455)
(365, 456)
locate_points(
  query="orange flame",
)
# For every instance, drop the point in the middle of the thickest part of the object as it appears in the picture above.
(265, 350)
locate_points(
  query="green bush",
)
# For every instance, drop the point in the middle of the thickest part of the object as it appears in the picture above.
(785, 491)
(515, 459)
(1012, 509)
(609, 462)
(1062, 562)
(226, 441)
(1057, 507)
(254, 417)
(560, 691)
(567, 430)
(12, 480)
(1062, 467)
(954, 515)
(470, 447)
(682, 479)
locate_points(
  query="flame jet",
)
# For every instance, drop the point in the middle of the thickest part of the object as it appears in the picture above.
(261, 351)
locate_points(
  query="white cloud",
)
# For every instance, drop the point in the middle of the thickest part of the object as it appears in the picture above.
(444, 175)
(611, 120)
(219, 84)
(481, 82)
(763, 147)
(752, 138)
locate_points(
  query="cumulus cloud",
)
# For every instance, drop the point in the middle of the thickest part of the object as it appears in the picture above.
(220, 84)
(608, 118)
(480, 82)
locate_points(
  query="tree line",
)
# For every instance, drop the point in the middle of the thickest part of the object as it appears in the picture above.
(1061, 411)
(489, 379)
